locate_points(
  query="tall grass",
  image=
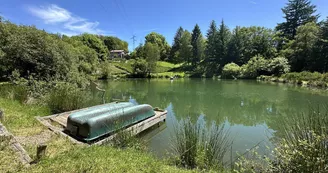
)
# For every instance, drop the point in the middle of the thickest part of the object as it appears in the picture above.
(304, 144)
(14, 92)
(198, 146)
(66, 97)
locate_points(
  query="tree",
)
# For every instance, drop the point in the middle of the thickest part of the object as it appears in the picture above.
(114, 43)
(297, 13)
(251, 41)
(152, 53)
(93, 42)
(211, 46)
(197, 50)
(160, 41)
(174, 54)
(303, 47)
(236, 46)
(223, 40)
(321, 61)
(186, 47)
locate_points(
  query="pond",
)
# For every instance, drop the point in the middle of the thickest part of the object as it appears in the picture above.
(251, 110)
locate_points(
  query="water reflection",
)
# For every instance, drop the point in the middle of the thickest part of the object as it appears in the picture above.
(250, 109)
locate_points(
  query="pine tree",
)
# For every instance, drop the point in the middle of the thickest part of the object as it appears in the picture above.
(196, 50)
(235, 47)
(321, 58)
(211, 48)
(223, 40)
(174, 56)
(297, 13)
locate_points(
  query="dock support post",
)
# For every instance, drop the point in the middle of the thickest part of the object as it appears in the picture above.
(40, 151)
(2, 116)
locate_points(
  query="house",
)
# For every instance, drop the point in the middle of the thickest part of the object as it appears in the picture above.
(117, 54)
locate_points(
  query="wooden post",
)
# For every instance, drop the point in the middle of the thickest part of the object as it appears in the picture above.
(41, 151)
(2, 116)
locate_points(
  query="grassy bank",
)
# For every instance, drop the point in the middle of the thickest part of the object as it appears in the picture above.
(163, 69)
(308, 79)
(61, 154)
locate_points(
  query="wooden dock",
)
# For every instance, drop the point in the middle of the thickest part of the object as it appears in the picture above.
(58, 122)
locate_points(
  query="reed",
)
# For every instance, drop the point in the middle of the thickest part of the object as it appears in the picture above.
(198, 146)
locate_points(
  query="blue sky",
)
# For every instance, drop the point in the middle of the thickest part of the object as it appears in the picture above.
(124, 18)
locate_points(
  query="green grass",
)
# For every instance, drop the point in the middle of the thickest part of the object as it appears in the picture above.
(162, 66)
(102, 159)
(20, 118)
(168, 75)
(125, 65)
(64, 156)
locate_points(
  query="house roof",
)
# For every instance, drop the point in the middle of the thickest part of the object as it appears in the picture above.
(116, 51)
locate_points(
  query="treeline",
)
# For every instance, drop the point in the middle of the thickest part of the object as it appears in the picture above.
(298, 44)
(29, 53)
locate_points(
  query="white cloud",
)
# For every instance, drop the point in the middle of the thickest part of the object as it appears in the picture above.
(55, 15)
(252, 2)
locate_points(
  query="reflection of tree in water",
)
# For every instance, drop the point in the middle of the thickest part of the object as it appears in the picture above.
(239, 102)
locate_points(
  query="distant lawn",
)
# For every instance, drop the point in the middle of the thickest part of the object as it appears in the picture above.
(124, 65)
(162, 66)
(167, 64)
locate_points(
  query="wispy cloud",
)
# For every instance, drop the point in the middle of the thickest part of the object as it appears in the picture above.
(64, 19)
(252, 2)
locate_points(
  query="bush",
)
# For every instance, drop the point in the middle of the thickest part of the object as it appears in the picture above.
(66, 97)
(256, 66)
(139, 68)
(279, 66)
(231, 71)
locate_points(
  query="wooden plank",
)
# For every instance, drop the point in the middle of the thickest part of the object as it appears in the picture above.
(57, 130)
(138, 128)
(16, 146)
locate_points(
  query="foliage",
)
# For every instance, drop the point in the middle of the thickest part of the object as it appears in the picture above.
(66, 97)
(223, 38)
(152, 53)
(176, 46)
(255, 66)
(306, 76)
(303, 47)
(186, 47)
(278, 66)
(159, 41)
(197, 44)
(231, 71)
(114, 43)
(303, 147)
(95, 43)
(139, 68)
(297, 13)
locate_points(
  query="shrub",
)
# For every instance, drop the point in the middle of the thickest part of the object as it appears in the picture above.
(231, 71)
(255, 66)
(279, 66)
(139, 68)
(66, 97)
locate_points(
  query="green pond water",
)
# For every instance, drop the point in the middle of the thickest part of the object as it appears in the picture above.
(251, 110)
